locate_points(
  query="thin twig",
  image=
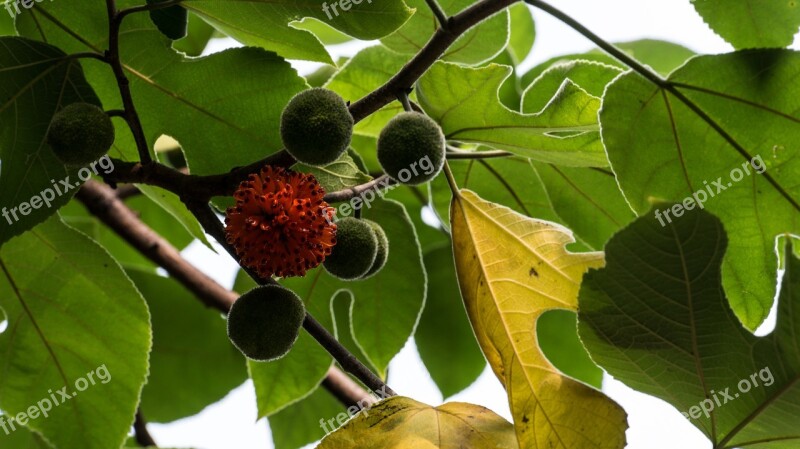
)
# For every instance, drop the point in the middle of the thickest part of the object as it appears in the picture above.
(437, 10)
(103, 203)
(143, 437)
(382, 181)
(113, 58)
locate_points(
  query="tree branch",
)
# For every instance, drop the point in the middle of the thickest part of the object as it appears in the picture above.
(103, 203)
(436, 46)
(113, 59)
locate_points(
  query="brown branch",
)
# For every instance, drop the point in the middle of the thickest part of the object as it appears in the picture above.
(352, 192)
(140, 432)
(436, 46)
(113, 58)
(103, 202)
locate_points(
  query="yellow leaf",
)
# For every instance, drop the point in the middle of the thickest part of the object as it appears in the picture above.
(512, 269)
(403, 423)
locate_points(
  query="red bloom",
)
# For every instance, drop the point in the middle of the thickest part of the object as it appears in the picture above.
(280, 224)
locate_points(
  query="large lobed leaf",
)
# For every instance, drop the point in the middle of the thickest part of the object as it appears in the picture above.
(656, 318)
(464, 101)
(721, 113)
(71, 310)
(512, 269)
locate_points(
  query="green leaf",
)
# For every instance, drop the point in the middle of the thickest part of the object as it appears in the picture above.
(173, 21)
(7, 25)
(587, 201)
(266, 23)
(366, 71)
(403, 422)
(299, 424)
(465, 103)
(22, 438)
(523, 31)
(338, 175)
(177, 96)
(508, 181)
(444, 337)
(752, 23)
(657, 319)
(193, 364)
(71, 312)
(36, 81)
(197, 37)
(557, 333)
(662, 56)
(324, 32)
(593, 77)
(477, 45)
(172, 204)
(743, 120)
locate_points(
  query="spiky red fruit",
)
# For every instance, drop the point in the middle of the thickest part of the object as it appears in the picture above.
(280, 224)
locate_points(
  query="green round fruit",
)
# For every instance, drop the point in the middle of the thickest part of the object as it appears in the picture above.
(411, 148)
(80, 134)
(355, 251)
(383, 250)
(265, 322)
(316, 126)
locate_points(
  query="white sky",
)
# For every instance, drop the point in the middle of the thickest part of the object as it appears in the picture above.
(653, 423)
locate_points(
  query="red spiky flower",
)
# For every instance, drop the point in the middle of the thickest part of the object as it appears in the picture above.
(280, 224)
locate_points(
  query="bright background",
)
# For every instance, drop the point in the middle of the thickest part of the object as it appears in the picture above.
(230, 424)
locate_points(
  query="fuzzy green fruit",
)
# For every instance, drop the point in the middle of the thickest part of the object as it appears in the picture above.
(80, 134)
(316, 126)
(383, 250)
(411, 148)
(355, 251)
(265, 322)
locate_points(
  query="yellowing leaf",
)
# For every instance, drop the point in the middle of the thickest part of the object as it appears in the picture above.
(403, 423)
(512, 269)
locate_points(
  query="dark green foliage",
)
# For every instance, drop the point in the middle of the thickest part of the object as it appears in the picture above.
(265, 322)
(80, 134)
(355, 251)
(411, 148)
(316, 126)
